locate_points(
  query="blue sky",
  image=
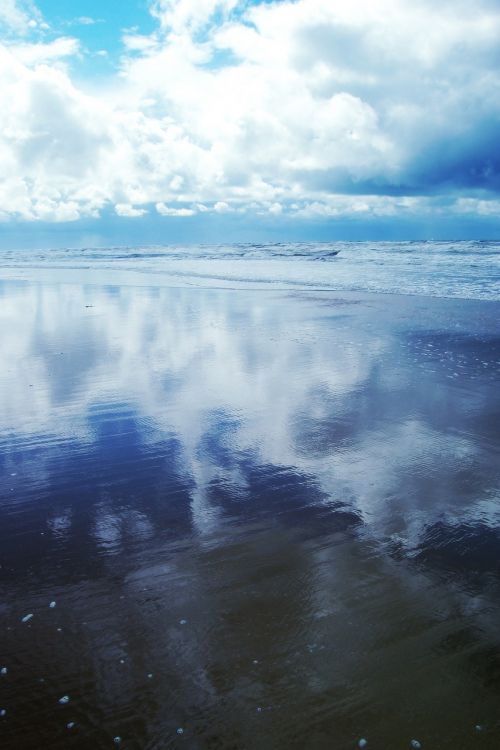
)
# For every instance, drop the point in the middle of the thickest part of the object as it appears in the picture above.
(226, 120)
(99, 26)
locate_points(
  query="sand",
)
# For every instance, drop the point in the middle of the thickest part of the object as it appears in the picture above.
(267, 519)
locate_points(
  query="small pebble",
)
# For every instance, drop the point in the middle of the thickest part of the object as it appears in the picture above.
(3, 712)
(180, 730)
(3, 670)
(59, 630)
(70, 725)
(26, 618)
(150, 676)
(259, 709)
(122, 661)
(183, 622)
(52, 605)
(362, 742)
(64, 699)
(416, 744)
(255, 661)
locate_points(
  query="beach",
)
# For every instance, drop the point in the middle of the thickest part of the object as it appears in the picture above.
(264, 518)
(249, 375)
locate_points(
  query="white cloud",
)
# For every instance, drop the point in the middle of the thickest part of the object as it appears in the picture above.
(19, 16)
(86, 21)
(125, 209)
(178, 16)
(477, 206)
(165, 210)
(221, 207)
(139, 42)
(34, 54)
(329, 107)
(365, 206)
(56, 145)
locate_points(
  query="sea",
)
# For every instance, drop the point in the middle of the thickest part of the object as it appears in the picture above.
(468, 269)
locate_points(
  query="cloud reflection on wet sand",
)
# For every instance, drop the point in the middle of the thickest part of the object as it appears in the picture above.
(266, 501)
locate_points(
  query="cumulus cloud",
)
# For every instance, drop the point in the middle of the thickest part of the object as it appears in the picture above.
(55, 144)
(124, 209)
(306, 108)
(165, 210)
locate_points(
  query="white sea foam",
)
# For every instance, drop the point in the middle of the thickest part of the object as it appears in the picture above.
(439, 269)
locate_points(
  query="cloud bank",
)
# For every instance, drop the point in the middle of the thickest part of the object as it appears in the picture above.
(312, 108)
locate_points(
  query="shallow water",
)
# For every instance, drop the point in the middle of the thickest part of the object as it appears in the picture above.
(270, 520)
(465, 270)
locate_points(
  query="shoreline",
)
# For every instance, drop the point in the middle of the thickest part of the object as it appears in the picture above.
(441, 270)
(131, 279)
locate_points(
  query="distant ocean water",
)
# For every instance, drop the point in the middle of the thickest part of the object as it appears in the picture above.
(468, 270)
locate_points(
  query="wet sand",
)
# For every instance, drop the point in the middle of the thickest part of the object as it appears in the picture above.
(267, 520)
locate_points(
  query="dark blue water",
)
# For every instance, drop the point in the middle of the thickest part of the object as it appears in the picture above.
(267, 520)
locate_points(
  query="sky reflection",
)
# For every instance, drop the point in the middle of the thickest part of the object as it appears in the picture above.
(301, 479)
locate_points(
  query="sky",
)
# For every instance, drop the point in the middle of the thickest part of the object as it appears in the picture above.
(153, 121)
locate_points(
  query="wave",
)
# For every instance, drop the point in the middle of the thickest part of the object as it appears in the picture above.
(469, 269)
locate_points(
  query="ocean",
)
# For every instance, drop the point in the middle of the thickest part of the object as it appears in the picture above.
(466, 270)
